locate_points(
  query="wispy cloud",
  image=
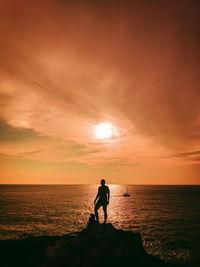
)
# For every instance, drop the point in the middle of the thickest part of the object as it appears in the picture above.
(187, 154)
(115, 164)
(68, 65)
(15, 134)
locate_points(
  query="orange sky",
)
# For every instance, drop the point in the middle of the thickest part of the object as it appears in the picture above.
(67, 66)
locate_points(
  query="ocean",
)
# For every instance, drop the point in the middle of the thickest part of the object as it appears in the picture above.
(168, 217)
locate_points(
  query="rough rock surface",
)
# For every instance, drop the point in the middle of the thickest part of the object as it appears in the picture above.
(95, 246)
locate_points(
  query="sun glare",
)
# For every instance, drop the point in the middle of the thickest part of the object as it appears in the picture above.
(104, 131)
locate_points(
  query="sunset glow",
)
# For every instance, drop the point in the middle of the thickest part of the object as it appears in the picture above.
(93, 89)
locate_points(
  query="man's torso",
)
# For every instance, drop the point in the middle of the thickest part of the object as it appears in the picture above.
(103, 191)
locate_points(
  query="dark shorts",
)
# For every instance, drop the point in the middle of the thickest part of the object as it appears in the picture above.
(101, 203)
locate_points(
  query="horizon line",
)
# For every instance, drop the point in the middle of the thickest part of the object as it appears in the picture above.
(106, 183)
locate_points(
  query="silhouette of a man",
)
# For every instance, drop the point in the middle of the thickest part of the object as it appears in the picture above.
(103, 197)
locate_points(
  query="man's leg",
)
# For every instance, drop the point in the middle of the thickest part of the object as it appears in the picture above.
(105, 212)
(97, 206)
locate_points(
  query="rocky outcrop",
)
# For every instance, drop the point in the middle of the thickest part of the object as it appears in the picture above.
(96, 245)
(101, 245)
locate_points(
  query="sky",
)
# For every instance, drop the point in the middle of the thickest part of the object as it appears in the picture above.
(66, 67)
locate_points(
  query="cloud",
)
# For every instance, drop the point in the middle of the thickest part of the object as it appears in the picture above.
(74, 66)
(187, 154)
(74, 150)
(115, 164)
(195, 159)
(7, 156)
(45, 165)
(67, 66)
(22, 143)
(19, 155)
(14, 134)
(193, 156)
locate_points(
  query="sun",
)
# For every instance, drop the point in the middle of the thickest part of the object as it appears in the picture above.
(104, 130)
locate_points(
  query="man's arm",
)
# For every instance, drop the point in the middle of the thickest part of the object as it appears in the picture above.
(96, 197)
(108, 193)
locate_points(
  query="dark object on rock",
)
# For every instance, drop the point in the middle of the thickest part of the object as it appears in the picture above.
(92, 219)
(96, 246)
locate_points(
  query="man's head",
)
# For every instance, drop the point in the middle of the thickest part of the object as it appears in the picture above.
(103, 182)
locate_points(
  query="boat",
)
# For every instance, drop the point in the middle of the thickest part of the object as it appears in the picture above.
(126, 194)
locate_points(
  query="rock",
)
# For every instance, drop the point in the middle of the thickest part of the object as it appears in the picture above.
(101, 245)
(96, 245)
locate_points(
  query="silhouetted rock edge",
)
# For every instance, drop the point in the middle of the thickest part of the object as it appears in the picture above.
(96, 245)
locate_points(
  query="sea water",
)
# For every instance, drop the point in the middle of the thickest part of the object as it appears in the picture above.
(168, 217)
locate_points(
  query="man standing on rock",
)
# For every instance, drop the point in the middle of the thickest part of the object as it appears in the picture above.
(103, 197)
